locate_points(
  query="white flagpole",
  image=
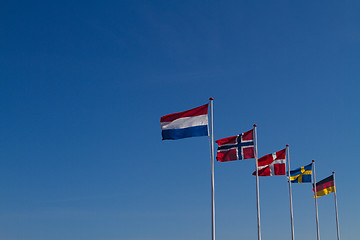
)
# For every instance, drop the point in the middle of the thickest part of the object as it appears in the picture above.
(257, 185)
(290, 194)
(336, 210)
(316, 208)
(212, 170)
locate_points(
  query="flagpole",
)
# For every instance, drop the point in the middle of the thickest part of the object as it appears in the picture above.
(316, 208)
(212, 170)
(336, 210)
(290, 194)
(257, 185)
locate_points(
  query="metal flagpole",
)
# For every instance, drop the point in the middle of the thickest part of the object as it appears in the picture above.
(212, 170)
(336, 210)
(257, 185)
(290, 194)
(316, 208)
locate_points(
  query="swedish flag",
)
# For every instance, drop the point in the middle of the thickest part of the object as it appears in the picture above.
(301, 175)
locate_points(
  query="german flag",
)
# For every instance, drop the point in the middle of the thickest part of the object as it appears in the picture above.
(325, 186)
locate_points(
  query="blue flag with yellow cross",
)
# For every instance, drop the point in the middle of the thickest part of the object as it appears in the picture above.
(302, 174)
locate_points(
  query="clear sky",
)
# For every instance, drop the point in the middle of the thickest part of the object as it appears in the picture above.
(83, 85)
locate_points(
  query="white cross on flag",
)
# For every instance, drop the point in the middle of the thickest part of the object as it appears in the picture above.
(272, 164)
(238, 147)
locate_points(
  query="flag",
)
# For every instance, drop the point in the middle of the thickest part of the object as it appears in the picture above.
(302, 174)
(238, 147)
(190, 123)
(325, 186)
(272, 164)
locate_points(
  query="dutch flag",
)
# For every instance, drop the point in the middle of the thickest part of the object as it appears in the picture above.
(190, 123)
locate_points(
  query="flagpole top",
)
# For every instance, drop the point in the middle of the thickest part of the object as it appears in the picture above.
(211, 99)
(333, 172)
(313, 160)
(255, 125)
(287, 145)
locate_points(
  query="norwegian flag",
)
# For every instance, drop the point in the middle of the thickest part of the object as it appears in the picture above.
(238, 147)
(272, 164)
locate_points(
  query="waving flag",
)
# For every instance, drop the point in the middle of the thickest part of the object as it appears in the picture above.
(325, 186)
(302, 174)
(272, 164)
(190, 123)
(238, 147)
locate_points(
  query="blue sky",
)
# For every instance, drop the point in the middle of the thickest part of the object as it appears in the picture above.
(84, 84)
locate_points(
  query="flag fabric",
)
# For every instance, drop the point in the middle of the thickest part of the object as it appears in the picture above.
(272, 164)
(238, 147)
(302, 174)
(325, 186)
(190, 123)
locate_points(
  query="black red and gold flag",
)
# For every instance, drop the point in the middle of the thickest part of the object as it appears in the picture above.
(325, 186)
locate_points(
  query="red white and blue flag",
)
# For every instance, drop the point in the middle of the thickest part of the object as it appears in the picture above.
(238, 147)
(272, 164)
(190, 123)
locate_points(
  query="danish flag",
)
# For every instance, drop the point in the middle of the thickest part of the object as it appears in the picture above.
(272, 164)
